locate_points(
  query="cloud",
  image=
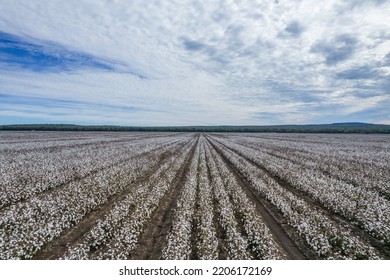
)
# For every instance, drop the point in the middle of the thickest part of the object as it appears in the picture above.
(386, 60)
(293, 29)
(193, 45)
(348, 5)
(194, 62)
(337, 49)
(17, 52)
(359, 73)
(61, 103)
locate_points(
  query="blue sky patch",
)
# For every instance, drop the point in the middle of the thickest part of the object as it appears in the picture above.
(18, 52)
(61, 103)
(200, 63)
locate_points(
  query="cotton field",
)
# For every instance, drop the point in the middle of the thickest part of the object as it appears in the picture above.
(98, 195)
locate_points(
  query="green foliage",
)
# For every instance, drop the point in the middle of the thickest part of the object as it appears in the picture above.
(325, 128)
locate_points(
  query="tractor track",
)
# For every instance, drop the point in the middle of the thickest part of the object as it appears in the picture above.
(57, 247)
(285, 236)
(154, 237)
(384, 251)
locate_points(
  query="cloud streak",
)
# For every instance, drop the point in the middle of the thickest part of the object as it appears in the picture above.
(338, 49)
(194, 62)
(23, 55)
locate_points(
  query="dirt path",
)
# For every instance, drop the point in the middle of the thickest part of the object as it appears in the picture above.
(153, 238)
(384, 251)
(56, 248)
(220, 232)
(284, 235)
(308, 156)
(41, 195)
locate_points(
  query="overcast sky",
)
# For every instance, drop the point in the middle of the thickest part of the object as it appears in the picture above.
(194, 62)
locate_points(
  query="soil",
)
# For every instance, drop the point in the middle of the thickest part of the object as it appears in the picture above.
(153, 238)
(284, 235)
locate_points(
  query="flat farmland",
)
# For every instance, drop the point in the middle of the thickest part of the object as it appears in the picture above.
(97, 195)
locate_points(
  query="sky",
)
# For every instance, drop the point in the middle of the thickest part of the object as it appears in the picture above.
(183, 62)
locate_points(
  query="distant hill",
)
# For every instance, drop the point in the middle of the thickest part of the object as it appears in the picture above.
(351, 124)
(350, 127)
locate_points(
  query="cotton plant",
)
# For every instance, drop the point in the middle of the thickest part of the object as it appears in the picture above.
(27, 226)
(297, 212)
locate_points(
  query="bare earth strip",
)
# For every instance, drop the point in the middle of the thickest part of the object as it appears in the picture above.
(384, 250)
(145, 196)
(153, 239)
(291, 243)
(91, 173)
(57, 248)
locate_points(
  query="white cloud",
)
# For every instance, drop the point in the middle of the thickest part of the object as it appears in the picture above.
(205, 62)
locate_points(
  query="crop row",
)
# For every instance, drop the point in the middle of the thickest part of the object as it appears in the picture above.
(116, 235)
(364, 165)
(212, 201)
(215, 196)
(365, 207)
(259, 240)
(328, 239)
(179, 242)
(26, 226)
(26, 175)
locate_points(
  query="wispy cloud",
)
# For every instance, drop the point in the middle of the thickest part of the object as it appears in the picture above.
(20, 54)
(292, 29)
(194, 62)
(336, 49)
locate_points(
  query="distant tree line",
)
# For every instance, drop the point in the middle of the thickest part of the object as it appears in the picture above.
(325, 128)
